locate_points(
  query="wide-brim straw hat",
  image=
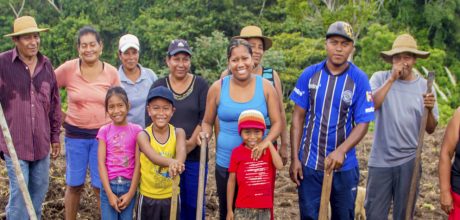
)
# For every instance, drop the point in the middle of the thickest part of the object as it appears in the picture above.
(25, 25)
(254, 32)
(404, 43)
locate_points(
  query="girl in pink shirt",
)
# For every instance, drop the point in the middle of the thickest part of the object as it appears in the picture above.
(118, 158)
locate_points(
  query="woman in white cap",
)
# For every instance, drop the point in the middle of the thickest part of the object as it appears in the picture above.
(259, 44)
(190, 93)
(135, 79)
(86, 80)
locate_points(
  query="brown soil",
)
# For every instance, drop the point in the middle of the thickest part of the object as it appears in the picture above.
(286, 200)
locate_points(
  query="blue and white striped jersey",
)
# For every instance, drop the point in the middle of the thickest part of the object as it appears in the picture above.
(333, 105)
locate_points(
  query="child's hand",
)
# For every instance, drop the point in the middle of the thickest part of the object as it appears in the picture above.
(176, 168)
(229, 215)
(113, 201)
(124, 200)
(258, 151)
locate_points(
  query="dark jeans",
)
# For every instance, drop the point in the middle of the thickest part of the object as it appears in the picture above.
(221, 183)
(343, 194)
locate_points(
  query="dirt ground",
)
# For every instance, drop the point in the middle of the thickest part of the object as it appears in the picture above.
(286, 200)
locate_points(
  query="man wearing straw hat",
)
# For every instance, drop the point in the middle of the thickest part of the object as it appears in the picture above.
(399, 98)
(30, 99)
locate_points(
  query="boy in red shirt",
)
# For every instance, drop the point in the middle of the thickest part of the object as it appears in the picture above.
(254, 178)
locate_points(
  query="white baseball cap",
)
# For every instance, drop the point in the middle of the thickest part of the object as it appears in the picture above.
(128, 41)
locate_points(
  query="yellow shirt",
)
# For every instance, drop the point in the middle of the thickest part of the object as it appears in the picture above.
(155, 182)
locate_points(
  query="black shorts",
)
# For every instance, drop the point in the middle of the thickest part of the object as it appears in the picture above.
(149, 208)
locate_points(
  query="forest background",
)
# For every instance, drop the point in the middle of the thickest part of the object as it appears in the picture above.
(297, 28)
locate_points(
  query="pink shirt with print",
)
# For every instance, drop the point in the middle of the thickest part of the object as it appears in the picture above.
(120, 144)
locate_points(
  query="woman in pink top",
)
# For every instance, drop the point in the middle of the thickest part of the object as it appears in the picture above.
(86, 80)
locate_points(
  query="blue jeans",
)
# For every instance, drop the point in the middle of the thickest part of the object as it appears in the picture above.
(119, 187)
(343, 194)
(36, 176)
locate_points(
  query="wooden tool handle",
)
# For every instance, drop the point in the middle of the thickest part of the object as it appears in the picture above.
(418, 155)
(199, 201)
(325, 195)
(175, 193)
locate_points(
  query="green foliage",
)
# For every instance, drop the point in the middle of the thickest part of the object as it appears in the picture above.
(210, 55)
(297, 28)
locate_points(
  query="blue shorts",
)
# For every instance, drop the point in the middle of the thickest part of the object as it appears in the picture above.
(343, 194)
(189, 190)
(79, 154)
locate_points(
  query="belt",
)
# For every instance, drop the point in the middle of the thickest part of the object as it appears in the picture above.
(119, 180)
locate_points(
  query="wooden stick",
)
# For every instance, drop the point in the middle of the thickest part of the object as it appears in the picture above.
(175, 193)
(199, 201)
(418, 154)
(325, 195)
(17, 167)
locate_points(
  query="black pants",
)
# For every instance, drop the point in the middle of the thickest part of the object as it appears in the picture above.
(221, 183)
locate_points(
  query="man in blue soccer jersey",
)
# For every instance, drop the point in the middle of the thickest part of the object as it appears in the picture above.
(333, 107)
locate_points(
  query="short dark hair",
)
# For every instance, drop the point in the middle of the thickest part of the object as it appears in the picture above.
(234, 43)
(88, 30)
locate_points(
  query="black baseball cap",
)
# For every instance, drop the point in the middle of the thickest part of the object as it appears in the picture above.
(340, 28)
(160, 92)
(177, 46)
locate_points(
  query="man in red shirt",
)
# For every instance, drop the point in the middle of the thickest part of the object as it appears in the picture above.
(30, 99)
(254, 178)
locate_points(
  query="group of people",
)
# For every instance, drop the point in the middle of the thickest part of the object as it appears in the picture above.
(138, 133)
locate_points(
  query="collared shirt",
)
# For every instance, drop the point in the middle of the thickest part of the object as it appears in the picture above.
(31, 105)
(137, 92)
(333, 104)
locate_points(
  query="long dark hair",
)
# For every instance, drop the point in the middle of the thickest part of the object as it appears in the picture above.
(118, 91)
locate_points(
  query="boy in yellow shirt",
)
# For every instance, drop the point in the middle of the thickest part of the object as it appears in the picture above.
(162, 156)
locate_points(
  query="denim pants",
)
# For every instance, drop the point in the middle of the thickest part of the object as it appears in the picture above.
(343, 194)
(119, 187)
(36, 176)
(189, 190)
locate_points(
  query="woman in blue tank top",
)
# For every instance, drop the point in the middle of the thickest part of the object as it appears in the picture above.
(227, 98)
(259, 44)
(449, 173)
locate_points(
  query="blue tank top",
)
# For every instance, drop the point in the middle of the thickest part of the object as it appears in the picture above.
(228, 113)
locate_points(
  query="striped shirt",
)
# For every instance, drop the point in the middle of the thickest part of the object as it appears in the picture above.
(333, 105)
(31, 105)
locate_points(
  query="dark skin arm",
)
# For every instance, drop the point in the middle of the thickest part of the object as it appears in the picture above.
(451, 138)
(335, 159)
(298, 118)
(211, 112)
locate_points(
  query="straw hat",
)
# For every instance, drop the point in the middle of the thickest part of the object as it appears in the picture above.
(254, 32)
(404, 43)
(25, 25)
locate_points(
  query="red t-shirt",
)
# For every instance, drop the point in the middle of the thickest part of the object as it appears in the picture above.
(254, 178)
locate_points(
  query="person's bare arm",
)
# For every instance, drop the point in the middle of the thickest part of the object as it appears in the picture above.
(284, 131)
(451, 138)
(272, 101)
(211, 111)
(298, 118)
(101, 157)
(144, 146)
(276, 158)
(429, 101)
